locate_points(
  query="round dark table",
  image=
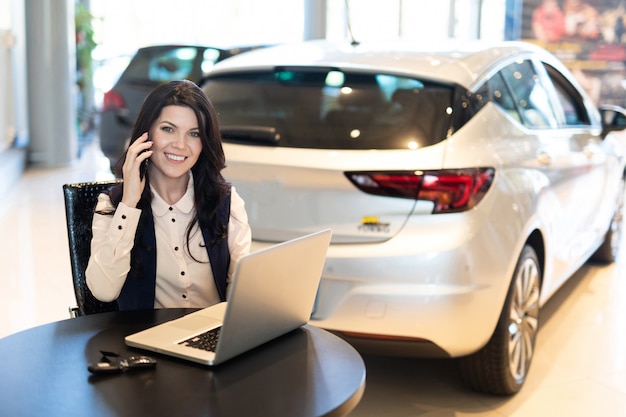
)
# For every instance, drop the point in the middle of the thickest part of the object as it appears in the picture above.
(308, 372)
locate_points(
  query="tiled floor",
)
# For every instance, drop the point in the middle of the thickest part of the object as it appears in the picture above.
(579, 369)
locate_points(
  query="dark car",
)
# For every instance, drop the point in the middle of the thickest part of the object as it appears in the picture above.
(150, 67)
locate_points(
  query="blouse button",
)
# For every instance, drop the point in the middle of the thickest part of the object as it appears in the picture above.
(173, 220)
(171, 208)
(184, 295)
(175, 247)
(119, 227)
(182, 272)
(123, 216)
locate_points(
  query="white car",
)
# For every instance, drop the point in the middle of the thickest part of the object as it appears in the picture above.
(463, 186)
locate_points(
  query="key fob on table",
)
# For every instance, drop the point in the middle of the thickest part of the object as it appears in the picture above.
(104, 368)
(138, 362)
(108, 366)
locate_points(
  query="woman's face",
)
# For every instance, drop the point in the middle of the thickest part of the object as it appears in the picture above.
(176, 143)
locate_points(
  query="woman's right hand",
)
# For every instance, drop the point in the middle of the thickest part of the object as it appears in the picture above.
(138, 152)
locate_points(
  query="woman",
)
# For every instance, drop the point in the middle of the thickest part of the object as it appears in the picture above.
(171, 233)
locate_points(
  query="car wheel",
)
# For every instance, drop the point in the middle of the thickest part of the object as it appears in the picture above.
(607, 252)
(502, 365)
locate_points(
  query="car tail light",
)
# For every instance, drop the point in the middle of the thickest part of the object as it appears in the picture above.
(450, 190)
(113, 101)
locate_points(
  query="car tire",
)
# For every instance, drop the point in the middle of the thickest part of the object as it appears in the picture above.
(502, 365)
(607, 252)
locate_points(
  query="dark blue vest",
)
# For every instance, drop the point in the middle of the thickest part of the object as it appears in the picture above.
(138, 291)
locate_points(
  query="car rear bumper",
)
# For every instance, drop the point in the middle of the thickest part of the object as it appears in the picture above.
(443, 284)
(459, 319)
(441, 280)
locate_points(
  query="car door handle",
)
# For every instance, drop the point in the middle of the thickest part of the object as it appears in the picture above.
(544, 158)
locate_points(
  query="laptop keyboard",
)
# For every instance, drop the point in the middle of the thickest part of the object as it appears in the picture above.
(205, 341)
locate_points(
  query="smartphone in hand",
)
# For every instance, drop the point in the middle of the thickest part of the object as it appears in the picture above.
(143, 168)
(144, 165)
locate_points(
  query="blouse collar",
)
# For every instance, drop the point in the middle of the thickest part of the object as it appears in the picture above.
(185, 204)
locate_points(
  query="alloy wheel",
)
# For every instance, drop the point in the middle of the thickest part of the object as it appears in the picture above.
(523, 319)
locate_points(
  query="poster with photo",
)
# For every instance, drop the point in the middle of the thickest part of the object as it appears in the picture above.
(589, 36)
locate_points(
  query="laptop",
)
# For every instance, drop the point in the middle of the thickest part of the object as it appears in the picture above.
(272, 292)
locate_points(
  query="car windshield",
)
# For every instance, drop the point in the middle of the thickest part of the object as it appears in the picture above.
(326, 108)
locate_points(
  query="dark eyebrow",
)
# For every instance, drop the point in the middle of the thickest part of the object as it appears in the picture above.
(174, 125)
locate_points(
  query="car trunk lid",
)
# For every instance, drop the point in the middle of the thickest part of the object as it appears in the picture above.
(289, 192)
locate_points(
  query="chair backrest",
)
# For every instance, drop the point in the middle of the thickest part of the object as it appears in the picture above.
(80, 201)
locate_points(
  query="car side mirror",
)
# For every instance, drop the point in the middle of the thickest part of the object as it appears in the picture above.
(613, 118)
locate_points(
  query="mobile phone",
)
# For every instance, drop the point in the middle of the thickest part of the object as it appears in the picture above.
(143, 168)
(144, 165)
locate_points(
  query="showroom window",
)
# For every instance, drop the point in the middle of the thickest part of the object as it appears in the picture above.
(122, 26)
(416, 19)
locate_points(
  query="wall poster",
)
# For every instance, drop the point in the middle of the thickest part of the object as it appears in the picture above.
(588, 36)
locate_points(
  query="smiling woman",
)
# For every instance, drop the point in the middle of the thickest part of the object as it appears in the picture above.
(176, 147)
(180, 204)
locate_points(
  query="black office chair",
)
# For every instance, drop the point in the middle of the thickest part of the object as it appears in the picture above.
(80, 201)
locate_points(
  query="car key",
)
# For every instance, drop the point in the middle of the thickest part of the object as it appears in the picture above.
(106, 366)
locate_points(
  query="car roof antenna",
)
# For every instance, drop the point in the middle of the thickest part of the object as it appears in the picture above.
(353, 42)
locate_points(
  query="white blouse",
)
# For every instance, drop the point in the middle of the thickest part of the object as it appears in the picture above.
(180, 281)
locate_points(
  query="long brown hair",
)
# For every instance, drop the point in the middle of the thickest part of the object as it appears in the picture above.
(210, 187)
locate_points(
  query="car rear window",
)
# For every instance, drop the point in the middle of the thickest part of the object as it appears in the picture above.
(327, 108)
(156, 65)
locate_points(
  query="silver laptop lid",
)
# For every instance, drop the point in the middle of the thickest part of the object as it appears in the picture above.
(273, 292)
